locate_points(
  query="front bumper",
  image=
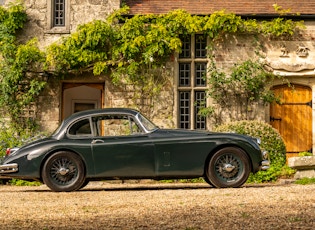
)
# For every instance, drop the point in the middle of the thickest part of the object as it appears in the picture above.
(9, 168)
(265, 163)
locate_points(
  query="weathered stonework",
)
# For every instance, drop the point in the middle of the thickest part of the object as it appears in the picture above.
(305, 166)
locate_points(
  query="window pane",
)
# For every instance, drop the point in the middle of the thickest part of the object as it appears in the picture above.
(184, 74)
(116, 125)
(184, 110)
(200, 73)
(200, 46)
(200, 102)
(81, 128)
(59, 12)
(186, 47)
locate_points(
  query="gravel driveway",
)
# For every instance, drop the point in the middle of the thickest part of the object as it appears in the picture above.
(159, 206)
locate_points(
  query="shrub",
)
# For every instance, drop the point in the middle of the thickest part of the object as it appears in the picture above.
(271, 141)
(9, 138)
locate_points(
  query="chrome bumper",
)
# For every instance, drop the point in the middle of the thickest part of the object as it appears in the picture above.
(9, 168)
(265, 165)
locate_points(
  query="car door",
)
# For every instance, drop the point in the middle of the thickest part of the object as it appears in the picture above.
(121, 148)
(180, 152)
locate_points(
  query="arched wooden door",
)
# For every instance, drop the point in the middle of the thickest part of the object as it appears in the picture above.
(293, 117)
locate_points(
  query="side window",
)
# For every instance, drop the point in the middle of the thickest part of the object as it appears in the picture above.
(116, 125)
(81, 128)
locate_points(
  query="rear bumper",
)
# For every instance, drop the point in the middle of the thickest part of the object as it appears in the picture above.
(9, 168)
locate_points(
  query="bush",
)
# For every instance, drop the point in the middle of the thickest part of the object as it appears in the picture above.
(10, 138)
(271, 141)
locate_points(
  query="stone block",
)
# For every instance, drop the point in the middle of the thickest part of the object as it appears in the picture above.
(308, 173)
(307, 162)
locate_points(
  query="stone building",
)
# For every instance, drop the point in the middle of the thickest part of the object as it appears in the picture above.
(294, 58)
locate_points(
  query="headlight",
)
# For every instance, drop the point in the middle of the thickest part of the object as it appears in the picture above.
(265, 155)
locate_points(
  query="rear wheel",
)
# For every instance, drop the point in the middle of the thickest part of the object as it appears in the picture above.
(228, 167)
(63, 172)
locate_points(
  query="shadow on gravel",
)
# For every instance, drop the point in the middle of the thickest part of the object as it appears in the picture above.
(100, 186)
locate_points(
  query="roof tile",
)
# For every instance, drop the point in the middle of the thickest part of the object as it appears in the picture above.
(240, 7)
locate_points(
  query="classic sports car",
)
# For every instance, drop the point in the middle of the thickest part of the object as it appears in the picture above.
(123, 144)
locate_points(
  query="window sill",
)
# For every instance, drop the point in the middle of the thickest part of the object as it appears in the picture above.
(58, 30)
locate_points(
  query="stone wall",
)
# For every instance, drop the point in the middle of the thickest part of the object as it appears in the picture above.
(78, 12)
(282, 56)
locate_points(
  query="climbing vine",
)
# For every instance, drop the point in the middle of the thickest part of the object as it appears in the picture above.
(242, 89)
(131, 51)
(20, 65)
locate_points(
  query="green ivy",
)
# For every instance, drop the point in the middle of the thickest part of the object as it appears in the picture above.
(242, 88)
(130, 50)
(20, 65)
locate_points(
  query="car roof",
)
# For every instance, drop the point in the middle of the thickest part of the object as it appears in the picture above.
(101, 111)
(87, 113)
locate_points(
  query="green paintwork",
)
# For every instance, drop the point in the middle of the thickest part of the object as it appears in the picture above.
(149, 153)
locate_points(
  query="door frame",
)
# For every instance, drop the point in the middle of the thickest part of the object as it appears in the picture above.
(100, 85)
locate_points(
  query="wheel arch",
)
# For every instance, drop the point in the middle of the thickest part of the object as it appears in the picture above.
(50, 153)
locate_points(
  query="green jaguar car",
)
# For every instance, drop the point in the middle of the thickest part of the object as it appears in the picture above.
(120, 143)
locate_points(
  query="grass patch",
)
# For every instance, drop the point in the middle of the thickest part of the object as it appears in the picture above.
(305, 181)
(19, 182)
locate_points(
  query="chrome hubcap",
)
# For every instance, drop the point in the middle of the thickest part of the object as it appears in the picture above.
(63, 171)
(228, 168)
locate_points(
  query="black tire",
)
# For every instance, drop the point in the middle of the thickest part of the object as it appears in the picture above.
(63, 172)
(85, 183)
(228, 167)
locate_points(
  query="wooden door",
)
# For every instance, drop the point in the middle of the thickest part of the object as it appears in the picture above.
(293, 117)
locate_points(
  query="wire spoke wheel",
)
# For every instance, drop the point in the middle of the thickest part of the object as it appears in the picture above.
(63, 171)
(228, 167)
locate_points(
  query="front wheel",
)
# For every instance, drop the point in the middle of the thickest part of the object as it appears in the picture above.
(228, 167)
(63, 172)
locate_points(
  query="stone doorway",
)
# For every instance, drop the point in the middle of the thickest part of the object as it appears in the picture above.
(81, 96)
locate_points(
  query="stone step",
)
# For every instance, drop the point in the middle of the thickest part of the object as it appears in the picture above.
(306, 162)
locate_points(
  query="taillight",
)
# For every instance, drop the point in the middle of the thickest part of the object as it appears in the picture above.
(8, 151)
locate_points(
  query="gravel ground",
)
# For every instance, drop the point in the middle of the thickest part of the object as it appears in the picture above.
(159, 206)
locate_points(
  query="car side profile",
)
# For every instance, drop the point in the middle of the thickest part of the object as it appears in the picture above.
(120, 143)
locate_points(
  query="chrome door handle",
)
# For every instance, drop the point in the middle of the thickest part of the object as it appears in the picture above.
(97, 141)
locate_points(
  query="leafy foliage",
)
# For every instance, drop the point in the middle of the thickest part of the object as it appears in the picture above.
(244, 86)
(19, 67)
(18, 182)
(132, 51)
(271, 141)
(9, 138)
